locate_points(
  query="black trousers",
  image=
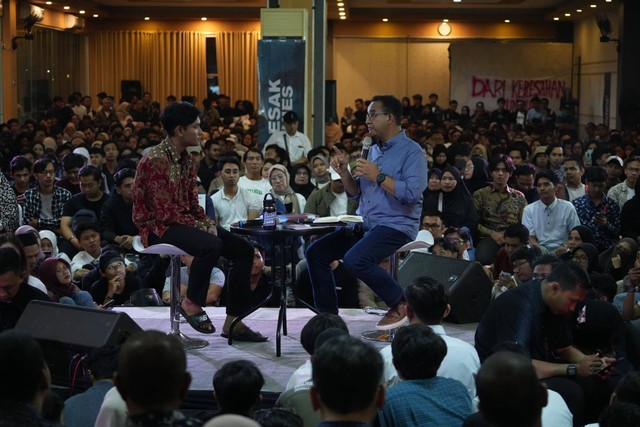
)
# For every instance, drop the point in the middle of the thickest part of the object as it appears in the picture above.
(206, 250)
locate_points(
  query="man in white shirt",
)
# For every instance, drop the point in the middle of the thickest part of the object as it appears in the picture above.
(427, 303)
(624, 191)
(295, 143)
(573, 171)
(233, 203)
(253, 180)
(549, 219)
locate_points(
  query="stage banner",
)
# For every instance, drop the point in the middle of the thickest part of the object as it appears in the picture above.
(281, 73)
(484, 72)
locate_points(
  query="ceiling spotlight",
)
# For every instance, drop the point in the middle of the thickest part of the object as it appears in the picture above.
(555, 18)
(341, 9)
(444, 29)
(385, 19)
(66, 7)
(48, 3)
(567, 14)
(579, 10)
(81, 12)
(507, 21)
(445, 20)
(340, 4)
(95, 15)
(343, 17)
(146, 18)
(342, 13)
(593, 5)
(457, 1)
(204, 18)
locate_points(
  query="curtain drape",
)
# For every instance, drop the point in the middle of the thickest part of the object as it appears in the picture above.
(237, 57)
(165, 62)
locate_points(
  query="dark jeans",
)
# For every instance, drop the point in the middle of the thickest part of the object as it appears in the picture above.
(361, 255)
(206, 249)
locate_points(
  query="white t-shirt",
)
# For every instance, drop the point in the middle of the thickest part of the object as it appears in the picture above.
(339, 204)
(217, 277)
(236, 209)
(259, 187)
(297, 145)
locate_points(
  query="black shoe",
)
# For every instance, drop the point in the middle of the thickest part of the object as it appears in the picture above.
(247, 335)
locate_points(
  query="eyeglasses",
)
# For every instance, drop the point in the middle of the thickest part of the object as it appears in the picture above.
(115, 265)
(580, 258)
(431, 226)
(373, 115)
(539, 276)
(519, 263)
(47, 173)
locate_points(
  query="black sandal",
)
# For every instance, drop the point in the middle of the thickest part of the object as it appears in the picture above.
(198, 320)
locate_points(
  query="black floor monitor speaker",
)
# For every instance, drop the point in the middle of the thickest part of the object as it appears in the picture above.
(468, 285)
(67, 333)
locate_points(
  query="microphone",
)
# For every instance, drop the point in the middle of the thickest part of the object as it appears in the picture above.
(366, 145)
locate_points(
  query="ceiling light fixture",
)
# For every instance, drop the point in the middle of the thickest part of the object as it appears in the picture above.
(146, 18)
(204, 18)
(81, 12)
(507, 21)
(66, 7)
(444, 29)
(555, 18)
(385, 19)
(95, 15)
(567, 14)
(49, 3)
(343, 17)
(579, 10)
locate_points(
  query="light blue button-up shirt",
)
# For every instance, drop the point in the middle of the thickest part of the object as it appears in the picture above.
(402, 159)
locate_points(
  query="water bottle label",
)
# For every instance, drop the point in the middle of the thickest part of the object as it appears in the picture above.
(269, 219)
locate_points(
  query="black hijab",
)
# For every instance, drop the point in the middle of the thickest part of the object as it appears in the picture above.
(480, 177)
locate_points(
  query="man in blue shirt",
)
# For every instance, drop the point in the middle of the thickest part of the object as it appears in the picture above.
(388, 184)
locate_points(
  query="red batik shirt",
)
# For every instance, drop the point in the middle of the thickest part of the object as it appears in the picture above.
(165, 192)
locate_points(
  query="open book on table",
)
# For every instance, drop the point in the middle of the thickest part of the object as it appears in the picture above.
(339, 218)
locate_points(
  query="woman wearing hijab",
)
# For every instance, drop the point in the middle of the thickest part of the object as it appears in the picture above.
(301, 180)
(476, 174)
(454, 201)
(577, 236)
(587, 256)
(320, 175)
(439, 155)
(55, 273)
(49, 245)
(433, 187)
(290, 201)
(617, 260)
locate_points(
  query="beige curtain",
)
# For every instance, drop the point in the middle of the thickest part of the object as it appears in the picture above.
(165, 62)
(237, 57)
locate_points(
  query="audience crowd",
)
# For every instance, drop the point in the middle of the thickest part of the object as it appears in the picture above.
(549, 214)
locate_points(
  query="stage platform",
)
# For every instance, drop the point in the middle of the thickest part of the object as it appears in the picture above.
(203, 363)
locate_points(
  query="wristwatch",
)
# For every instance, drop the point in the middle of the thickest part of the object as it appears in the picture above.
(572, 370)
(380, 178)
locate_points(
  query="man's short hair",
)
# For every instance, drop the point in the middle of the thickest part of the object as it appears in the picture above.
(603, 285)
(509, 391)
(41, 164)
(83, 226)
(22, 366)
(72, 161)
(210, 142)
(10, 260)
(553, 145)
(103, 362)
(347, 374)
(96, 150)
(521, 148)
(316, 325)
(631, 159)
(178, 114)
(390, 105)
(527, 252)
(501, 158)
(596, 174)
(110, 141)
(19, 163)
(252, 150)
(628, 389)
(417, 352)
(570, 275)
(576, 159)
(546, 173)
(229, 158)
(545, 259)
(90, 170)
(123, 174)
(525, 169)
(519, 231)
(151, 369)
(427, 298)
(620, 414)
(237, 386)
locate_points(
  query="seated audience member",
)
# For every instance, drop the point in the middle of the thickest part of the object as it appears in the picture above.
(236, 387)
(423, 398)
(454, 201)
(253, 180)
(617, 260)
(629, 224)
(261, 281)
(116, 225)
(476, 174)
(631, 307)
(232, 420)
(331, 199)
(30, 247)
(320, 174)
(25, 380)
(289, 202)
(463, 240)
(114, 285)
(301, 180)
(534, 315)
(52, 407)
(427, 303)
(91, 198)
(543, 265)
(347, 382)
(153, 399)
(21, 172)
(10, 213)
(586, 255)
(82, 409)
(573, 171)
(445, 246)
(314, 327)
(510, 392)
(620, 414)
(88, 234)
(49, 245)
(515, 236)
(597, 211)
(55, 273)
(432, 222)
(44, 203)
(497, 206)
(277, 417)
(233, 203)
(15, 293)
(216, 282)
(549, 220)
(522, 261)
(71, 164)
(577, 236)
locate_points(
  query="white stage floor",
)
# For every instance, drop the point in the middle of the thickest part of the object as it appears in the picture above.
(203, 363)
